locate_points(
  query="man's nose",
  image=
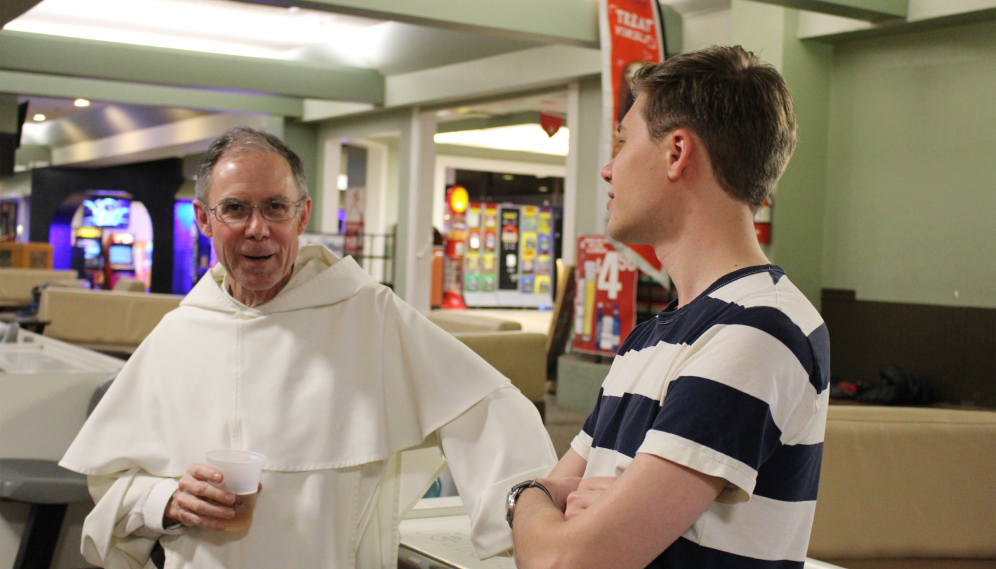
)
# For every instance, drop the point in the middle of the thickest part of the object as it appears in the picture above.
(607, 172)
(256, 226)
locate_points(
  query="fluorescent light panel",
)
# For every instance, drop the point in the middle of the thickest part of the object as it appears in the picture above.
(213, 26)
(522, 137)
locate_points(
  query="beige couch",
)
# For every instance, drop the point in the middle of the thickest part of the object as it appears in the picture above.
(907, 488)
(16, 284)
(116, 323)
(110, 322)
(519, 356)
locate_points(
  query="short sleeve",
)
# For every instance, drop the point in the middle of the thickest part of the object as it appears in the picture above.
(583, 441)
(731, 403)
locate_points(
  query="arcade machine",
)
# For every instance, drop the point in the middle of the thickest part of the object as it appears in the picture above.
(88, 255)
(120, 257)
(103, 211)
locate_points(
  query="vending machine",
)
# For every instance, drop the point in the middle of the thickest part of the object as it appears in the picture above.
(510, 256)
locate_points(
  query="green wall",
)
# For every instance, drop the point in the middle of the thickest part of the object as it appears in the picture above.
(303, 140)
(911, 176)
(800, 196)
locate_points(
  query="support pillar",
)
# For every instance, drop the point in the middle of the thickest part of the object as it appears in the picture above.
(584, 189)
(413, 268)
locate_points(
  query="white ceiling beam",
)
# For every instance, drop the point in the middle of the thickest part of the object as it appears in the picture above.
(508, 73)
(316, 110)
(73, 57)
(868, 10)
(43, 85)
(922, 14)
(570, 22)
(179, 138)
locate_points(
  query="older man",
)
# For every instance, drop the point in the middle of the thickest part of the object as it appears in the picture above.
(302, 357)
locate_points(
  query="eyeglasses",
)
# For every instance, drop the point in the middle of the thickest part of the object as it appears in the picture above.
(238, 211)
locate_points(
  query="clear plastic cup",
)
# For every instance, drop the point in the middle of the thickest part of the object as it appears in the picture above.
(242, 471)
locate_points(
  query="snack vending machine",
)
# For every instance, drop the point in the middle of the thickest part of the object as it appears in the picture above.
(480, 267)
(510, 256)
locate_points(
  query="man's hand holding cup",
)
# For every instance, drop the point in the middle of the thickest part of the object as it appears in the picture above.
(220, 495)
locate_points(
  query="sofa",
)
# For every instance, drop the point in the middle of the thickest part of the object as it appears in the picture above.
(16, 285)
(907, 488)
(116, 322)
(111, 322)
(519, 356)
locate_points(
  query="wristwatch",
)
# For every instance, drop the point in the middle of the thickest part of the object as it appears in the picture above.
(513, 497)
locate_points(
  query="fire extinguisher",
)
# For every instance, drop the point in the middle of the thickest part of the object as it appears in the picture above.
(762, 222)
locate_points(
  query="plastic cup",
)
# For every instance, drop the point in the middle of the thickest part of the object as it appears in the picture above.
(242, 470)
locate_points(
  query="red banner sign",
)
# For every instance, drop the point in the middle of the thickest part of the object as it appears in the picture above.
(631, 37)
(604, 305)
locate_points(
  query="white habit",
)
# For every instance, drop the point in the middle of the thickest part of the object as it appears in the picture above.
(331, 380)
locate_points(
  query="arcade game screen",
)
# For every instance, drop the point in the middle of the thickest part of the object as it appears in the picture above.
(91, 247)
(120, 254)
(106, 212)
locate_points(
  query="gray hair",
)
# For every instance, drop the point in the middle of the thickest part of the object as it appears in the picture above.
(241, 140)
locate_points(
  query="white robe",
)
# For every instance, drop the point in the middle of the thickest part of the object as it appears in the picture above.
(331, 380)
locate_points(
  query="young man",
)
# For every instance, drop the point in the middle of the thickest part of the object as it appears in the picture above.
(704, 447)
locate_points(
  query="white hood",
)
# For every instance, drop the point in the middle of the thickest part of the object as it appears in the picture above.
(335, 371)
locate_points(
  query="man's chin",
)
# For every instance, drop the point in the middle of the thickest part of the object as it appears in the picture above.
(256, 282)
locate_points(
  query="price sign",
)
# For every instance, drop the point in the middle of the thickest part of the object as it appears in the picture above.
(604, 304)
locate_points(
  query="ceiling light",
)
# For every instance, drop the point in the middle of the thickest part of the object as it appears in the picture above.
(213, 26)
(81, 103)
(39, 117)
(522, 137)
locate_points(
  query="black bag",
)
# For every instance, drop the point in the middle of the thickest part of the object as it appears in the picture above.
(898, 387)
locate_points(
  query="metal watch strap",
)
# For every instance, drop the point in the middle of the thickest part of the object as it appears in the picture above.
(513, 497)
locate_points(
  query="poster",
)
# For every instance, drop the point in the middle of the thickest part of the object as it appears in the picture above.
(605, 301)
(354, 222)
(631, 36)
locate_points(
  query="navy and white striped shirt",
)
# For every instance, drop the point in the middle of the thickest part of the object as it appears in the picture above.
(733, 385)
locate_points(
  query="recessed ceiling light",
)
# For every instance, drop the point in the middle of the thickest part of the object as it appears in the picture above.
(39, 117)
(81, 103)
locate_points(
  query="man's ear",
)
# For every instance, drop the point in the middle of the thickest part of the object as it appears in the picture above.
(203, 217)
(305, 216)
(679, 148)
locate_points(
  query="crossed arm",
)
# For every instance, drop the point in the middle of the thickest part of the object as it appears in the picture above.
(625, 523)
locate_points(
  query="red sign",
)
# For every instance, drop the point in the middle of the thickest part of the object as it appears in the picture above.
(631, 35)
(604, 304)
(551, 124)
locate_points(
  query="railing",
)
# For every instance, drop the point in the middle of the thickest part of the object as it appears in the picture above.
(372, 251)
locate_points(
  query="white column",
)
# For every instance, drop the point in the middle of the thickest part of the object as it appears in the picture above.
(332, 162)
(568, 251)
(413, 278)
